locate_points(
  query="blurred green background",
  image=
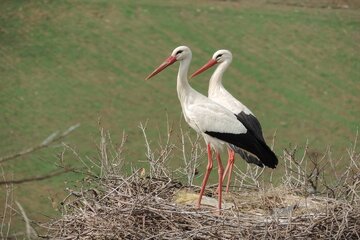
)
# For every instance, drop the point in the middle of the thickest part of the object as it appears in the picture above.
(296, 66)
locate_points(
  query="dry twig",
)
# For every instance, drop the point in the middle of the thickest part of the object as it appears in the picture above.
(54, 137)
(37, 178)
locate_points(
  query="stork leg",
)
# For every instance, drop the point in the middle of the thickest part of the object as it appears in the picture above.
(220, 173)
(229, 167)
(208, 170)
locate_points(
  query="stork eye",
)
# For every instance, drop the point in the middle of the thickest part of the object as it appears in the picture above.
(178, 52)
(218, 56)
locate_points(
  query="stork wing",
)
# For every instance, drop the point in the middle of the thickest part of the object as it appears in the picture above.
(247, 118)
(251, 144)
(251, 123)
(218, 122)
(211, 117)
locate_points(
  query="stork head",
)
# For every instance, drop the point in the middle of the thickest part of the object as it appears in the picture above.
(218, 57)
(180, 53)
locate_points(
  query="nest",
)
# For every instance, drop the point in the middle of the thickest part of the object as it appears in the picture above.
(304, 205)
(144, 208)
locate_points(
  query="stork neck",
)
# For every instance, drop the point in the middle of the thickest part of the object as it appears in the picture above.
(216, 78)
(183, 85)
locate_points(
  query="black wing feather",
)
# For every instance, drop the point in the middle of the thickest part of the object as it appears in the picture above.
(249, 142)
(251, 123)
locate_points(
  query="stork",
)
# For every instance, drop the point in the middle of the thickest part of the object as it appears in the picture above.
(218, 125)
(220, 95)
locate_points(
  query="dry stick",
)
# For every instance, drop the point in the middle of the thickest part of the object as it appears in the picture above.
(37, 178)
(6, 207)
(191, 161)
(49, 140)
(157, 164)
(149, 154)
(11, 209)
(30, 232)
(117, 160)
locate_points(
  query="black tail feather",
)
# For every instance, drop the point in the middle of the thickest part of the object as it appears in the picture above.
(266, 155)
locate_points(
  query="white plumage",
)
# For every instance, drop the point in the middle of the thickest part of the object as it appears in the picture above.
(219, 94)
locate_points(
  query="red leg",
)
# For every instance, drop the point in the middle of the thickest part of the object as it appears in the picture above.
(231, 165)
(231, 154)
(220, 173)
(208, 170)
(226, 169)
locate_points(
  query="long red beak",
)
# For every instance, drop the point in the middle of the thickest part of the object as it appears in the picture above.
(170, 60)
(208, 65)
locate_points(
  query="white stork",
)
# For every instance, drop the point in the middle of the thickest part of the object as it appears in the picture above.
(218, 125)
(220, 95)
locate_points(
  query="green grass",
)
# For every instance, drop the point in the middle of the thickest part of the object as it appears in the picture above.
(64, 62)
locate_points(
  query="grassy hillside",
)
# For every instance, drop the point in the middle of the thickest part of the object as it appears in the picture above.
(64, 62)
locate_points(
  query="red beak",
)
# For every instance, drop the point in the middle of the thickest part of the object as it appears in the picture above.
(208, 65)
(170, 60)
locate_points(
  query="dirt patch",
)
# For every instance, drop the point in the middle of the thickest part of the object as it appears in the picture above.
(334, 4)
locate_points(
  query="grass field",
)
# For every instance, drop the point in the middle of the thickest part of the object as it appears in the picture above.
(67, 62)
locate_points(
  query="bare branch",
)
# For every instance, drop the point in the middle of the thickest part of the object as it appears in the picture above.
(37, 178)
(30, 232)
(54, 137)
